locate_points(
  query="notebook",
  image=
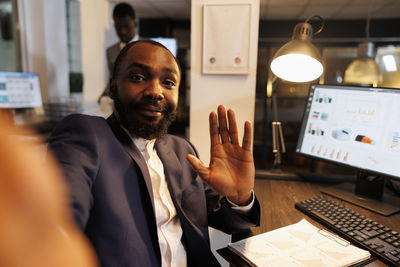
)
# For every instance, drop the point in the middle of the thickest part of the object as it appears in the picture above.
(299, 244)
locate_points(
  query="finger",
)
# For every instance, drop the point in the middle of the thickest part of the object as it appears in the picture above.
(233, 131)
(246, 144)
(214, 134)
(199, 167)
(223, 126)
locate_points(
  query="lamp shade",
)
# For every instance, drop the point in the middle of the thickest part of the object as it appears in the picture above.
(364, 70)
(298, 60)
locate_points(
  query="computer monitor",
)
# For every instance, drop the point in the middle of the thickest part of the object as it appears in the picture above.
(358, 127)
(19, 90)
(170, 43)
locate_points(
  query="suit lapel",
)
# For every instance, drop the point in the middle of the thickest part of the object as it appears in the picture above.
(133, 151)
(172, 169)
(196, 241)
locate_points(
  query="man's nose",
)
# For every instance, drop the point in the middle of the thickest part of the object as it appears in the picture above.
(154, 90)
(122, 32)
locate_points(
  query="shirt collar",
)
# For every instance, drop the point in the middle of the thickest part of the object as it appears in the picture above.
(141, 143)
(135, 38)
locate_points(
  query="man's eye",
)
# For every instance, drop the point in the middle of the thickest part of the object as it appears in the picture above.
(169, 84)
(136, 77)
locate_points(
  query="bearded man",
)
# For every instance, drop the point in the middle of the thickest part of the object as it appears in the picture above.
(142, 196)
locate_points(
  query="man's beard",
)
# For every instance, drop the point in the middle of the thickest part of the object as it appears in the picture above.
(126, 116)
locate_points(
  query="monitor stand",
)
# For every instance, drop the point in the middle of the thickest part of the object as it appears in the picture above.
(368, 192)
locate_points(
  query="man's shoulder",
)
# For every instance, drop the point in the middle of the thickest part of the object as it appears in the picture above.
(82, 120)
(113, 47)
(80, 117)
(80, 127)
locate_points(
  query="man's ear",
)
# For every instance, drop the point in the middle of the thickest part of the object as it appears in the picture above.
(113, 87)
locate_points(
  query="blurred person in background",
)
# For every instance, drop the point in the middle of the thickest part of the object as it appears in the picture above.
(125, 26)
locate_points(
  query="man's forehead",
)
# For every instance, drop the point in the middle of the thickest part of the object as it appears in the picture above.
(140, 47)
(140, 51)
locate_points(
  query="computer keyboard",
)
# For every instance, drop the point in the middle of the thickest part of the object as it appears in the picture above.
(382, 242)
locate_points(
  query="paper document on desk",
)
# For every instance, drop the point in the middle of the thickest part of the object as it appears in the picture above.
(299, 244)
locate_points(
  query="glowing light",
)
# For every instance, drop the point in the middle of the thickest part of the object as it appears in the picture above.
(390, 63)
(297, 68)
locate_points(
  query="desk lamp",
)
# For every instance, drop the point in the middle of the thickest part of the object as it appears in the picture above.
(297, 61)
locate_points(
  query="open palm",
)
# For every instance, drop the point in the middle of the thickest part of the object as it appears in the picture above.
(231, 169)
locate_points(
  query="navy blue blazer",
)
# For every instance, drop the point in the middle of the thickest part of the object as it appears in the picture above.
(112, 199)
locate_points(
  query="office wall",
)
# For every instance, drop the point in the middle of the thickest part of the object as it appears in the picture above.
(97, 33)
(44, 44)
(207, 91)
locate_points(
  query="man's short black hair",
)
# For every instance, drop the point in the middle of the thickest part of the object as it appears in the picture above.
(123, 10)
(123, 52)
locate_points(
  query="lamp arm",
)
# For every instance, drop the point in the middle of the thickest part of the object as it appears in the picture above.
(278, 143)
(275, 83)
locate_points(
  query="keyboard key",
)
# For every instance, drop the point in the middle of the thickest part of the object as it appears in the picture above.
(361, 234)
(380, 250)
(392, 257)
(359, 238)
(370, 233)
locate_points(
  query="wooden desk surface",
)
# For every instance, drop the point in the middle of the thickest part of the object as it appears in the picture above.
(277, 199)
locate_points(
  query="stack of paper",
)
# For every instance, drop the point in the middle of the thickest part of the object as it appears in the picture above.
(300, 244)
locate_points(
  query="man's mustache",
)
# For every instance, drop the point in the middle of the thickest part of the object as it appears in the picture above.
(162, 107)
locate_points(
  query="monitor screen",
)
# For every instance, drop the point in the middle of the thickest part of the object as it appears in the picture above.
(170, 43)
(19, 90)
(358, 127)
(355, 126)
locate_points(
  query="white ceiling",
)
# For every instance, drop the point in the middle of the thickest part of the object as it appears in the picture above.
(280, 9)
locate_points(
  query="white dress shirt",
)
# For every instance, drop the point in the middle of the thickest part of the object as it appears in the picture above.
(169, 230)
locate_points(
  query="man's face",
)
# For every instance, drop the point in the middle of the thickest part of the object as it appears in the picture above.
(145, 91)
(125, 28)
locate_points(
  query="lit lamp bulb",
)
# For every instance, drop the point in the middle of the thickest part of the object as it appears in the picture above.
(298, 60)
(297, 68)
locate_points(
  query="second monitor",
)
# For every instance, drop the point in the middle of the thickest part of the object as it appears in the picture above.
(19, 90)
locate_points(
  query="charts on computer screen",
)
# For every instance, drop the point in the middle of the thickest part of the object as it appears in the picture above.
(355, 126)
(19, 90)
